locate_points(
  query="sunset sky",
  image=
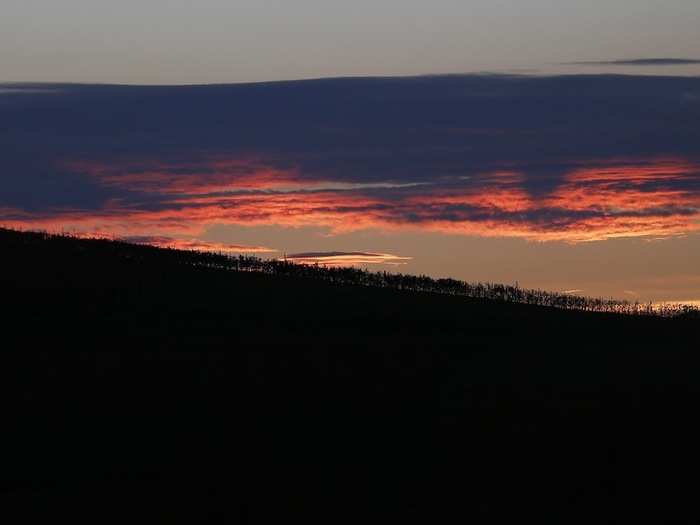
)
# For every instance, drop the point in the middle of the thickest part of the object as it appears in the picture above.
(569, 163)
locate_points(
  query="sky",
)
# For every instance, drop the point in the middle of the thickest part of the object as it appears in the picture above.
(561, 153)
(211, 41)
(588, 182)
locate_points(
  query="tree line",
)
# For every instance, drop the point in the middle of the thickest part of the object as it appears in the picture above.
(381, 279)
(423, 283)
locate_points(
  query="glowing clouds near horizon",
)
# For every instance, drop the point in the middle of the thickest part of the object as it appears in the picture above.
(592, 201)
(655, 199)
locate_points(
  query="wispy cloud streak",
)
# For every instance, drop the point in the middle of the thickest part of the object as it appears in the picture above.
(347, 258)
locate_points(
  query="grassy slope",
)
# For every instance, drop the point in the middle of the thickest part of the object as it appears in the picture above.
(192, 394)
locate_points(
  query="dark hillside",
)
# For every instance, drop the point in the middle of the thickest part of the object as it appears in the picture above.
(140, 388)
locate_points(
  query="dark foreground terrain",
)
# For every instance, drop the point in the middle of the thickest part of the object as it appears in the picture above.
(137, 389)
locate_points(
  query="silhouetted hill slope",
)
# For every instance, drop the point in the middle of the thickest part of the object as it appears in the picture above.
(140, 389)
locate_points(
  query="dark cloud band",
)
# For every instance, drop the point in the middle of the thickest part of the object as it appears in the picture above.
(641, 62)
(570, 158)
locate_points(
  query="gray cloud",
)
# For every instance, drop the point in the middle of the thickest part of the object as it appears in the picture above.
(640, 62)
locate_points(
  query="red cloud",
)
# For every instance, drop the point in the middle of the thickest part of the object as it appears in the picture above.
(653, 198)
(206, 175)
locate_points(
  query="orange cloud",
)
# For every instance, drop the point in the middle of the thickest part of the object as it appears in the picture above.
(655, 198)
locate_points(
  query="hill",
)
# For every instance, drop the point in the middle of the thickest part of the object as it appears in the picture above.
(152, 386)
